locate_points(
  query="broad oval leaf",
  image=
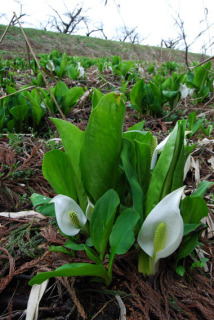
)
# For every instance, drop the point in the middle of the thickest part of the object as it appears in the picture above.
(193, 209)
(100, 153)
(71, 98)
(57, 170)
(122, 235)
(72, 138)
(102, 220)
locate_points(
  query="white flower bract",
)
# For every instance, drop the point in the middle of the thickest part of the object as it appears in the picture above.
(63, 206)
(81, 70)
(160, 148)
(157, 151)
(167, 212)
(185, 91)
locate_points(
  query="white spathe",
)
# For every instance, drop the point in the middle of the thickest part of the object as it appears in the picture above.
(187, 166)
(89, 210)
(63, 206)
(159, 149)
(166, 211)
(50, 66)
(185, 91)
(81, 70)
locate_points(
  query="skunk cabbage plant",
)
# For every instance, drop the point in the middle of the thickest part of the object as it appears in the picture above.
(117, 189)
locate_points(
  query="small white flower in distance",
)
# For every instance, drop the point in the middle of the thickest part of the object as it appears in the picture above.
(81, 70)
(185, 91)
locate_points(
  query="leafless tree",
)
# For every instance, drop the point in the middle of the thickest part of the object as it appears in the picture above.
(69, 21)
(20, 15)
(14, 20)
(170, 43)
(99, 29)
(3, 16)
(106, 1)
(44, 26)
(182, 36)
(129, 34)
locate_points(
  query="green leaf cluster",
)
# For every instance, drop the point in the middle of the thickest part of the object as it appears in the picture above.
(111, 168)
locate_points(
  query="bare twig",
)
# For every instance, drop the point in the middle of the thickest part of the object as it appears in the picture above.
(205, 61)
(23, 89)
(28, 56)
(2, 38)
(71, 291)
(103, 307)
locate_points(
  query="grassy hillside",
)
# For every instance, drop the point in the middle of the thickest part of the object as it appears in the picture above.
(13, 45)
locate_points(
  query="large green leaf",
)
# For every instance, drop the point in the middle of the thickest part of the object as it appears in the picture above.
(187, 246)
(70, 98)
(193, 209)
(70, 244)
(72, 72)
(35, 108)
(143, 155)
(20, 112)
(122, 235)
(155, 100)
(138, 126)
(96, 97)
(100, 153)
(172, 97)
(35, 94)
(132, 177)
(60, 89)
(102, 220)
(72, 138)
(178, 175)
(11, 125)
(137, 94)
(190, 227)
(10, 89)
(141, 136)
(42, 205)
(57, 170)
(201, 74)
(175, 175)
(71, 269)
(202, 188)
(63, 64)
(160, 172)
(38, 199)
